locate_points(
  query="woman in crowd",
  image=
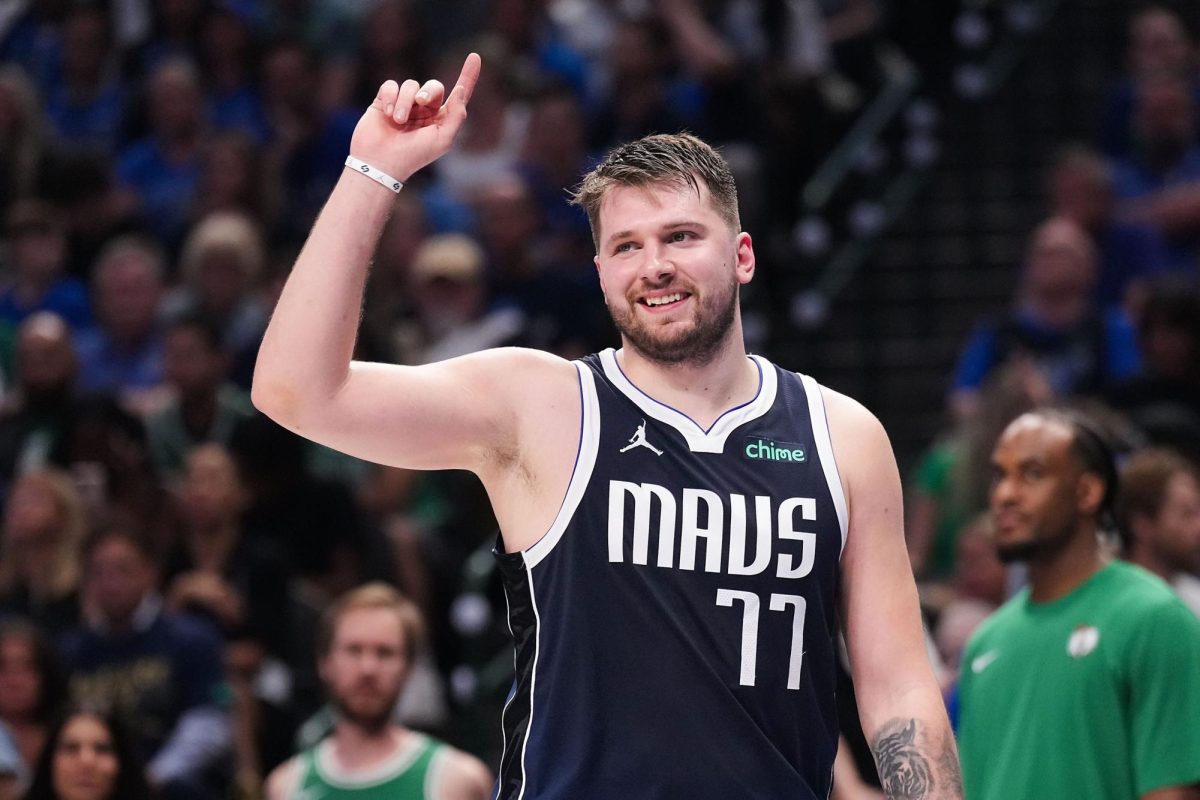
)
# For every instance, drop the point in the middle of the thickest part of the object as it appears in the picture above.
(88, 756)
(44, 526)
(31, 687)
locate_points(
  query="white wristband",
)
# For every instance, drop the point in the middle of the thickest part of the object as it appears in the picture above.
(377, 175)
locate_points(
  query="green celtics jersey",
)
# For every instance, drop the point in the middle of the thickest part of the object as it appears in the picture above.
(1095, 695)
(404, 776)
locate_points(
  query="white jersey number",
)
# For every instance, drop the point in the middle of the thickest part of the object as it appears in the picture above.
(750, 608)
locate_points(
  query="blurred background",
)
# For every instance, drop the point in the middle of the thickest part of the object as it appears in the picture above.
(962, 209)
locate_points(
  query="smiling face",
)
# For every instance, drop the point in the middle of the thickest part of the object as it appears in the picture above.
(670, 267)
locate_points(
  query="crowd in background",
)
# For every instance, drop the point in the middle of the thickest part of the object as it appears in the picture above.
(165, 550)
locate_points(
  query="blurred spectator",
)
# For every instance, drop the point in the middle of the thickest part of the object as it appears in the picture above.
(161, 670)
(28, 34)
(44, 528)
(91, 205)
(123, 353)
(489, 146)
(23, 136)
(388, 299)
(1160, 180)
(44, 398)
(1159, 511)
(314, 521)
(105, 447)
(234, 179)
(1163, 399)
(1084, 684)
(175, 32)
(952, 479)
(562, 302)
(32, 686)
(236, 581)
(228, 52)
(1159, 44)
(222, 262)
(203, 406)
(553, 161)
(646, 95)
(85, 99)
(1054, 324)
(539, 49)
(89, 755)
(1081, 190)
(309, 142)
(37, 254)
(389, 45)
(164, 167)
(368, 644)
(450, 302)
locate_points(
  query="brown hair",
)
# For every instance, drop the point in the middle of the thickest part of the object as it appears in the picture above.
(70, 533)
(373, 595)
(1144, 483)
(677, 159)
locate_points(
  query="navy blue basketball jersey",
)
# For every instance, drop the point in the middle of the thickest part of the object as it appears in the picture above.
(675, 627)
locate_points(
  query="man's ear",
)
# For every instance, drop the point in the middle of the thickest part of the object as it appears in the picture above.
(745, 262)
(1090, 491)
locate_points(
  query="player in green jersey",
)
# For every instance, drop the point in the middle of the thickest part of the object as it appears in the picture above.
(366, 645)
(1087, 683)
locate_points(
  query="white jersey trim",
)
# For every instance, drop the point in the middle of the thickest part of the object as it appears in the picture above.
(824, 444)
(507, 703)
(392, 767)
(433, 775)
(585, 462)
(537, 652)
(698, 439)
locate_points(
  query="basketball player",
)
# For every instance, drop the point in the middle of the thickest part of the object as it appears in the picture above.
(1086, 683)
(683, 526)
(366, 645)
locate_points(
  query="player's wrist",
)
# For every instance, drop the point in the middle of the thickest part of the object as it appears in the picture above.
(374, 173)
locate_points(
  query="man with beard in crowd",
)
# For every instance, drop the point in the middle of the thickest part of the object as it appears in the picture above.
(1084, 684)
(366, 644)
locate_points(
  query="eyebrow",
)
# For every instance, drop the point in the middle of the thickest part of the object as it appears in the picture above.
(670, 226)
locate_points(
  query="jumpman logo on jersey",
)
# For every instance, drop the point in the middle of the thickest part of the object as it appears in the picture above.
(639, 440)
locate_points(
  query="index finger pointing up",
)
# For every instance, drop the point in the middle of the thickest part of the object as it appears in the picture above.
(465, 85)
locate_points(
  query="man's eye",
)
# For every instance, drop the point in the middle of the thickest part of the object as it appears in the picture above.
(623, 247)
(680, 236)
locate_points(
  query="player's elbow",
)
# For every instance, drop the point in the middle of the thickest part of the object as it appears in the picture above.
(278, 401)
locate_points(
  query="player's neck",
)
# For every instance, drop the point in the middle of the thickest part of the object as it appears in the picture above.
(1057, 575)
(1145, 557)
(356, 748)
(701, 391)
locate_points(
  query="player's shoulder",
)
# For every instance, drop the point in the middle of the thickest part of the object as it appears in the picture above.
(459, 775)
(529, 368)
(855, 432)
(1140, 596)
(284, 780)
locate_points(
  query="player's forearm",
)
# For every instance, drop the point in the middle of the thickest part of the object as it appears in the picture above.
(915, 752)
(306, 352)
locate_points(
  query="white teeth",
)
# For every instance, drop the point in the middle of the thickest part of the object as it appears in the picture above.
(662, 301)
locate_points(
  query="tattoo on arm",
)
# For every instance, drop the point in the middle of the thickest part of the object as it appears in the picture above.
(907, 770)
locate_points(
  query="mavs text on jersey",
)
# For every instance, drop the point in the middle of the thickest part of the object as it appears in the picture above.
(675, 627)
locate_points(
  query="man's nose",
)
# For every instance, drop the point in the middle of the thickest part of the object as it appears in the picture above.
(658, 264)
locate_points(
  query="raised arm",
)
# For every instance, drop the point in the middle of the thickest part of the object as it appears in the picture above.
(458, 413)
(899, 702)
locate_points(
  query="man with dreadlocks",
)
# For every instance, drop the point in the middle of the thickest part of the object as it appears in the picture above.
(1087, 683)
